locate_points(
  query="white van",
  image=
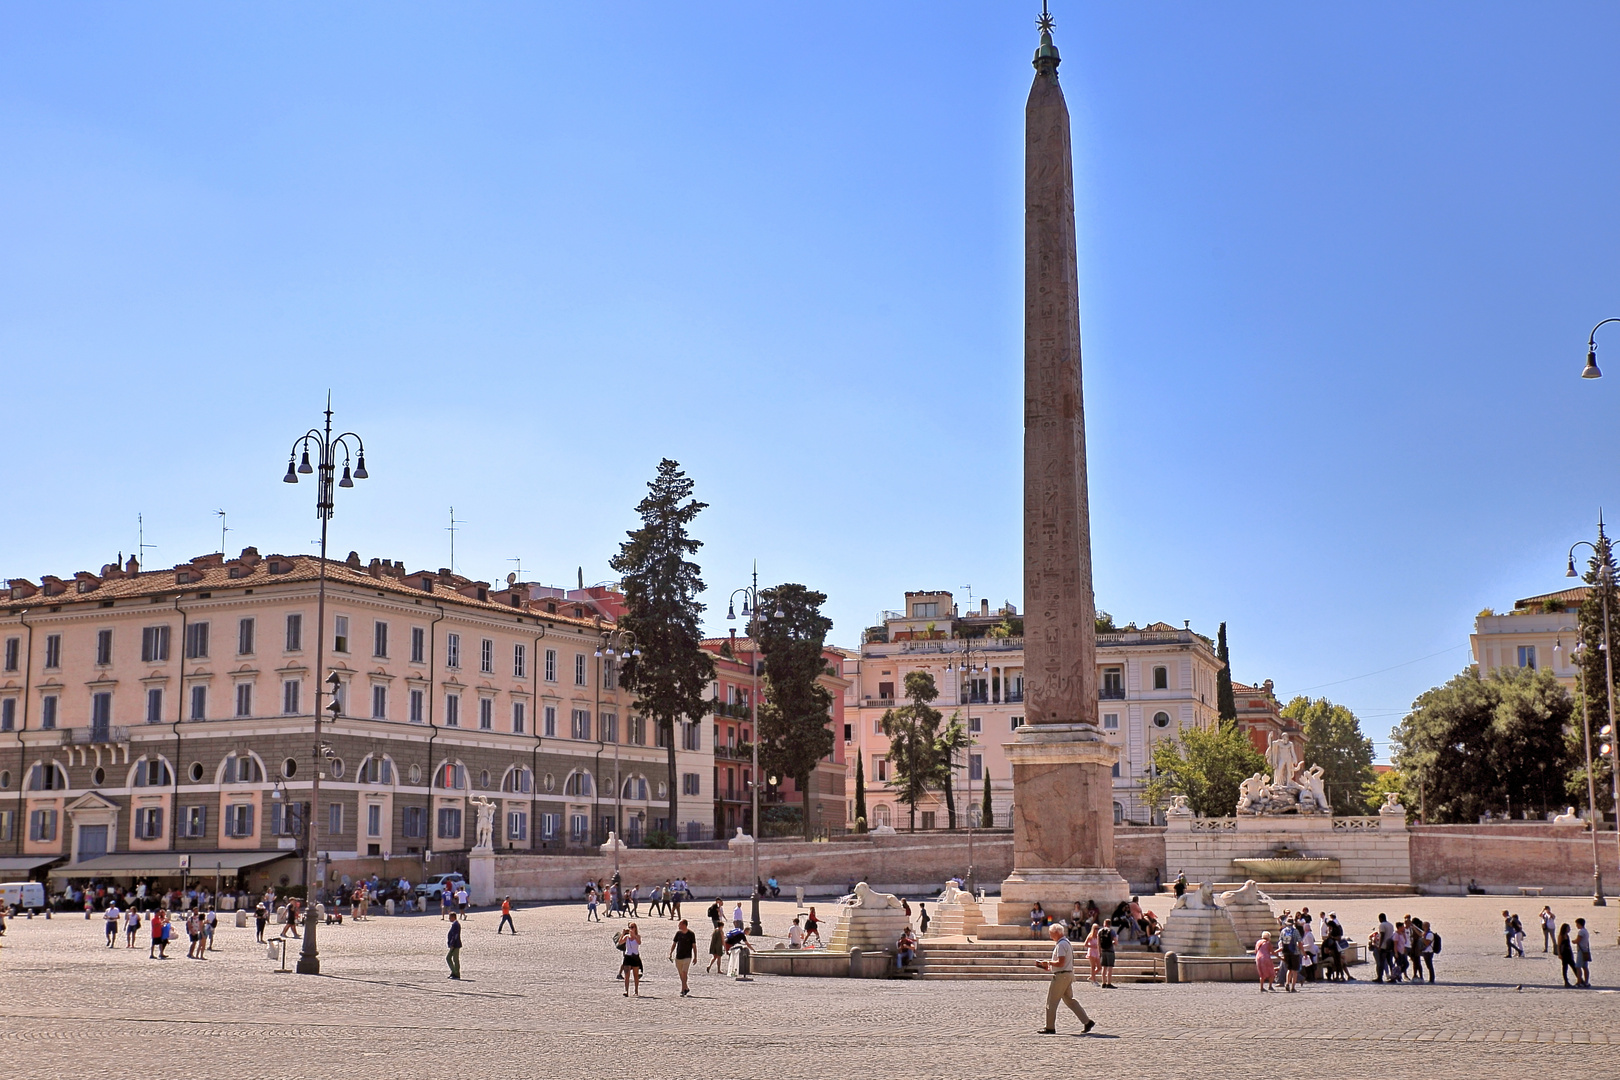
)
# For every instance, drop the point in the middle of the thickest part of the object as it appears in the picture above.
(23, 894)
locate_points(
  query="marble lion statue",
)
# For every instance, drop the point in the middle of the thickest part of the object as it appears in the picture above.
(1248, 894)
(1197, 899)
(866, 896)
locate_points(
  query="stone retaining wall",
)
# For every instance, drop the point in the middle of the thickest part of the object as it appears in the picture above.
(1502, 856)
(1369, 849)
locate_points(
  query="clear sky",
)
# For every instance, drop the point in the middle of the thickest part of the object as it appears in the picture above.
(1338, 265)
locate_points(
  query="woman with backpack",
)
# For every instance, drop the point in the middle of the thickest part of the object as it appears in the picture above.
(1105, 948)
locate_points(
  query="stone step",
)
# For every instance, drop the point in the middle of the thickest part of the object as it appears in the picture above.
(1029, 976)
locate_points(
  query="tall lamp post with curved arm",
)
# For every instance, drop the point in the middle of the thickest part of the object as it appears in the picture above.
(1578, 655)
(1605, 582)
(1591, 371)
(605, 660)
(751, 611)
(326, 446)
(966, 671)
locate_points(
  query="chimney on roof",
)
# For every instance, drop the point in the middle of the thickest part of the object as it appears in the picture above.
(353, 561)
(984, 607)
(133, 566)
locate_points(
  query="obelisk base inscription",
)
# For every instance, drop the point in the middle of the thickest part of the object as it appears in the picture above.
(1063, 822)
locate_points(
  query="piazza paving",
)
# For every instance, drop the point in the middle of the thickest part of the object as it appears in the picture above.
(545, 1003)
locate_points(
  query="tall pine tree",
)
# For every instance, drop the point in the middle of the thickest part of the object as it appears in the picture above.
(670, 678)
(793, 714)
(1225, 700)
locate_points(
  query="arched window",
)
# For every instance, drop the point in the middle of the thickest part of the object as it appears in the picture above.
(635, 787)
(1119, 814)
(241, 769)
(376, 769)
(1161, 678)
(1161, 719)
(578, 785)
(880, 815)
(451, 776)
(47, 776)
(519, 780)
(152, 772)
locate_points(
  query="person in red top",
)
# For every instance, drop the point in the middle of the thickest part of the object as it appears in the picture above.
(506, 917)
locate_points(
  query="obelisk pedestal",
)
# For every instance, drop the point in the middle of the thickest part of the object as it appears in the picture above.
(1063, 804)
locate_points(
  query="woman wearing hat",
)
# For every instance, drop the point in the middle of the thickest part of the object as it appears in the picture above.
(1264, 962)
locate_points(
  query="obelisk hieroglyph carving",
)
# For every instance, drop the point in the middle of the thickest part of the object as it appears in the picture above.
(1063, 825)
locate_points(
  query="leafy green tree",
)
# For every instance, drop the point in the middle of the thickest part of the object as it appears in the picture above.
(1225, 700)
(913, 732)
(1593, 684)
(1486, 743)
(661, 584)
(1206, 765)
(1382, 783)
(987, 809)
(793, 713)
(860, 792)
(952, 741)
(1333, 740)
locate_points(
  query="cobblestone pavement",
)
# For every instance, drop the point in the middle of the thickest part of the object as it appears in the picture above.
(545, 1004)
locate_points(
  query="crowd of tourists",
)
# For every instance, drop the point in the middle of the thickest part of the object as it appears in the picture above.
(1304, 949)
(625, 903)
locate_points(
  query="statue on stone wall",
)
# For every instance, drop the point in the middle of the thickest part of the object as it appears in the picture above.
(1282, 756)
(486, 822)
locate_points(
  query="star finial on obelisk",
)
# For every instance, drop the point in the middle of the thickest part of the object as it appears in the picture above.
(1046, 57)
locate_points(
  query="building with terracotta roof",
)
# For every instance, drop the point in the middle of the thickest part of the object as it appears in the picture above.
(1260, 714)
(147, 714)
(1539, 632)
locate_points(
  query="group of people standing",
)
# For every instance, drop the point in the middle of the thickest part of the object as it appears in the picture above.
(1573, 946)
(664, 899)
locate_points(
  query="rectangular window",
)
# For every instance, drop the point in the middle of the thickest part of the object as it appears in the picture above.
(925, 611)
(877, 727)
(691, 736)
(578, 826)
(609, 727)
(486, 656)
(196, 825)
(452, 651)
(517, 826)
(610, 673)
(519, 717)
(154, 705)
(880, 767)
(244, 637)
(295, 633)
(379, 639)
(449, 823)
(1527, 656)
(551, 665)
(13, 653)
(239, 820)
(418, 700)
(42, 825)
(8, 714)
(340, 633)
(244, 699)
(154, 644)
(486, 714)
(582, 724)
(374, 820)
(149, 823)
(1015, 722)
(1111, 721)
(411, 822)
(548, 826)
(379, 702)
(418, 645)
(103, 647)
(100, 715)
(53, 650)
(47, 711)
(551, 721)
(334, 819)
(289, 697)
(197, 641)
(520, 661)
(975, 766)
(691, 784)
(452, 711)
(579, 669)
(199, 702)
(1113, 684)
(1161, 678)
(6, 818)
(975, 724)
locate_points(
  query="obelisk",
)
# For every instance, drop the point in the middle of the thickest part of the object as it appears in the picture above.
(1063, 821)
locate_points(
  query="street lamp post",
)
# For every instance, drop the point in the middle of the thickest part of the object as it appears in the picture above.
(605, 654)
(326, 447)
(1604, 583)
(966, 668)
(750, 609)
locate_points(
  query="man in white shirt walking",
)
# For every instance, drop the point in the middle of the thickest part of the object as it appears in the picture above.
(1061, 988)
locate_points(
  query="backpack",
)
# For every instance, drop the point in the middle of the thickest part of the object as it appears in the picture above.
(1436, 934)
(1105, 938)
(618, 941)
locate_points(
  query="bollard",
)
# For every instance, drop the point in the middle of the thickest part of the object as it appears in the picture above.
(241, 917)
(1172, 967)
(798, 893)
(389, 907)
(854, 963)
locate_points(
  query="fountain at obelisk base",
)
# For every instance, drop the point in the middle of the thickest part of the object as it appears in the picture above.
(1063, 803)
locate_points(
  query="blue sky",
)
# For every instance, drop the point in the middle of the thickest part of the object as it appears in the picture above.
(1338, 266)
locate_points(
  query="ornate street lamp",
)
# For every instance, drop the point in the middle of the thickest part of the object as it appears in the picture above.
(751, 611)
(613, 643)
(326, 446)
(1604, 583)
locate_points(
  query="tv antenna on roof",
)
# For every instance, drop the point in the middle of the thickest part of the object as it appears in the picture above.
(514, 578)
(454, 521)
(140, 541)
(222, 530)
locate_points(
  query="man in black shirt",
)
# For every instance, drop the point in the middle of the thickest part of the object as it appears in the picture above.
(682, 950)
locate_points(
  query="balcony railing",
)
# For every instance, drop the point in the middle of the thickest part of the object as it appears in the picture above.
(1111, 693)
(95, 733)
(738, 711)
(743, 752)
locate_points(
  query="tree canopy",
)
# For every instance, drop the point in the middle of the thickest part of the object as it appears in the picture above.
(793, 713)
(1206, 765)
(1487, 743)
(661, 585)
(1333, 740)
(913, 732)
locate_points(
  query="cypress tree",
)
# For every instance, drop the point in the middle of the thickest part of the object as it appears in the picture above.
(860, 792)
(1225, 700)
(987, 812)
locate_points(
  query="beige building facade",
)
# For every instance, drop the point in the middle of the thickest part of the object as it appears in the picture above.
(1154, 682)
(1540, 632)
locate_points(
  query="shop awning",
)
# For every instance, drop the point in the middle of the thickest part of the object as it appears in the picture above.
(166, 864)
(25, 864)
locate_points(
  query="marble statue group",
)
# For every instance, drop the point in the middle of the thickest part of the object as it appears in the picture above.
(1291, 789)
